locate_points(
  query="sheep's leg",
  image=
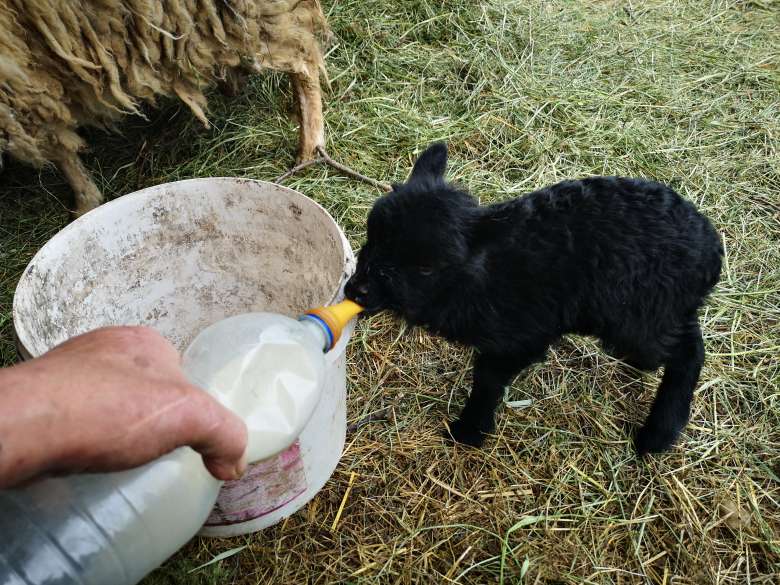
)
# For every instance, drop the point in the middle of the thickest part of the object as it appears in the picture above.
(86, 194)
(311, 146)
(312, 127)
(234, 82)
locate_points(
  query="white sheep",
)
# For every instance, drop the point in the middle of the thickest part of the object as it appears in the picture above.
(70, 63)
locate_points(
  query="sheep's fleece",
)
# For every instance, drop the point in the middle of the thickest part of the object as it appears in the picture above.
(67, 63)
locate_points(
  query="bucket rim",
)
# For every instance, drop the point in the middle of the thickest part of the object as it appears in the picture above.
(22, 334)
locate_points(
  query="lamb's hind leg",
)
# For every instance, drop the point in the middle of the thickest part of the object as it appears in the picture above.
(86, 194)
(671, 408)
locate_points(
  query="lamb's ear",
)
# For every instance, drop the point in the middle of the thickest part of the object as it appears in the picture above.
(432, 163)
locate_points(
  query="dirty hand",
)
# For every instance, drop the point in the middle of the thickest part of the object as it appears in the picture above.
(108, 400)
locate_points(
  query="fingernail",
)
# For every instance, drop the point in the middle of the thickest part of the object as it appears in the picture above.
(240, 468)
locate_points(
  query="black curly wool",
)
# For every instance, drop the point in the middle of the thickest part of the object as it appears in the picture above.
(626, 260)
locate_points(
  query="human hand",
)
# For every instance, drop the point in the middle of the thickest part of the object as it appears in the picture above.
(108, 400)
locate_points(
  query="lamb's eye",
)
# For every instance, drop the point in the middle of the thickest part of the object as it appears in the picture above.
(425, 270)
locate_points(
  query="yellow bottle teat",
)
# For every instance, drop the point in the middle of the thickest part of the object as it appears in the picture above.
(335, 317)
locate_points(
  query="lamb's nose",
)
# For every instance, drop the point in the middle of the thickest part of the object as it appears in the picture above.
(356, 291)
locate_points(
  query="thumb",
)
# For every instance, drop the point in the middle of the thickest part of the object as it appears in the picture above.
(220, 436)
(226, 470)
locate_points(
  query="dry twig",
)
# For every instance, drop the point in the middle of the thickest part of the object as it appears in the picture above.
(326, 158)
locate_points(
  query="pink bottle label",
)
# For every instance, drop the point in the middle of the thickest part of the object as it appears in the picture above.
(266, 486)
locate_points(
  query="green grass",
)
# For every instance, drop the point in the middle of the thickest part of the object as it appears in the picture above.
(526, 93)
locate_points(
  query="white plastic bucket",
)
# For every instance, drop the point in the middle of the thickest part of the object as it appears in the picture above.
(183, 255)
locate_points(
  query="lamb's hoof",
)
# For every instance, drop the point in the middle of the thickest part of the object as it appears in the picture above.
(651, 439)
(464, 434)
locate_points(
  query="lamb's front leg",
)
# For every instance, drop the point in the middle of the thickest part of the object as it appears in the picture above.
(492, 374)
